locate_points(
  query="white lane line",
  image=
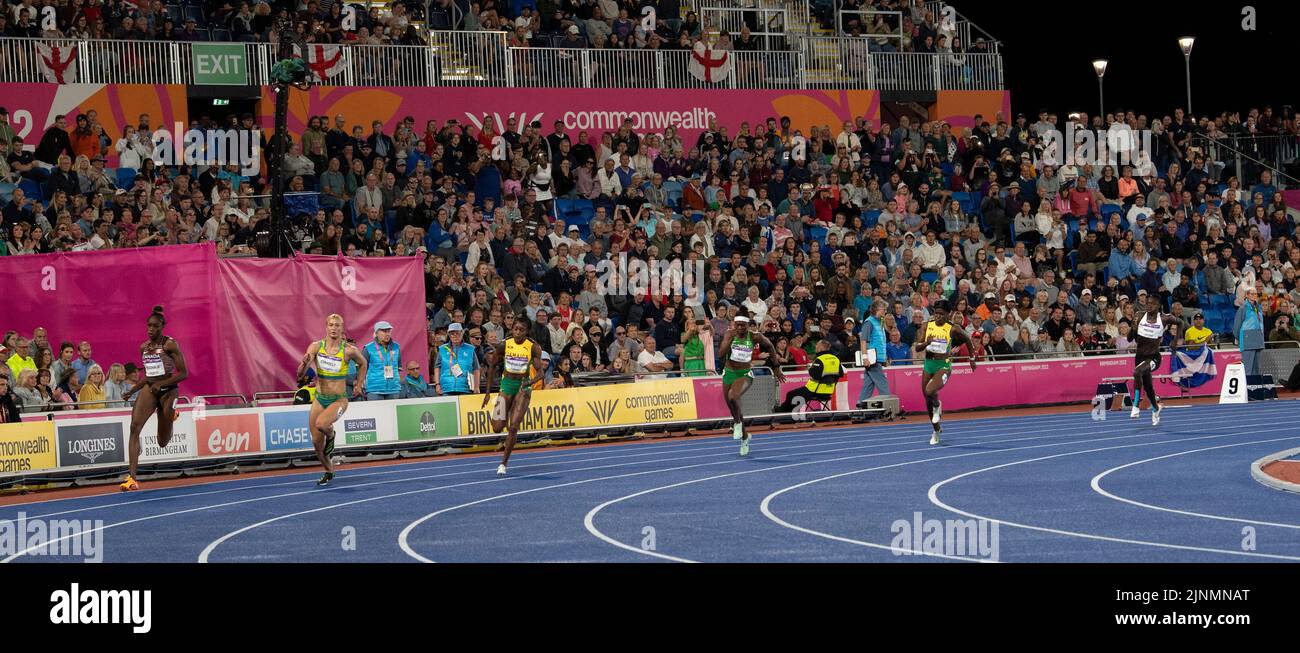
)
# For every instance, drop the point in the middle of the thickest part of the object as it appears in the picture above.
(726, 451)
(934, 499)
(922, 429)
(403, 537)
(1096, 487)
(484, 463)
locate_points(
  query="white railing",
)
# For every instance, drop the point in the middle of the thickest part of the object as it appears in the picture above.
(483, 59)
(867, 18)
(469, 58)
(769, 25)
(905, 71)
(599, 68)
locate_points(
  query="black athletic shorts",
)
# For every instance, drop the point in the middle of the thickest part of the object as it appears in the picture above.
(1154, 358)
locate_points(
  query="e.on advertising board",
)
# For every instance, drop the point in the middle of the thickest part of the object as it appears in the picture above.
(228, 433)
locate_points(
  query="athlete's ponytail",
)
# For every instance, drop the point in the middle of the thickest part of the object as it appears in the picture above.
(158, 313)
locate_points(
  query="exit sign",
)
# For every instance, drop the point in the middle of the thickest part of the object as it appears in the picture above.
(220, 103)
(219, 63)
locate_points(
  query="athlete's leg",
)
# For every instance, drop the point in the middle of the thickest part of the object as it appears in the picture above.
(145, 405)
(517, 412)
(733, 394)
(166, 417)
(323, 418)
(926, 378)
(1149, 386)
(500, 412)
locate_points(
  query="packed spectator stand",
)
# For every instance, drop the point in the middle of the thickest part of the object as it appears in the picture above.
(1038, 260)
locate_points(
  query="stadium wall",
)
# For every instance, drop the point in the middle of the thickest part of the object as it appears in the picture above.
(76, 441)
(33, 107)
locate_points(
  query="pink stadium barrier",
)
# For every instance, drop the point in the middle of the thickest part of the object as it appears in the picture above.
(243, 324)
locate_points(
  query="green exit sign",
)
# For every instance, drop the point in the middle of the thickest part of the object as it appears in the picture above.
(220, 103)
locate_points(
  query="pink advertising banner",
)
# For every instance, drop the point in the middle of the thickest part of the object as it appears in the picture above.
(271, 309)
(597, 111)
(991, 385)
(242, 324)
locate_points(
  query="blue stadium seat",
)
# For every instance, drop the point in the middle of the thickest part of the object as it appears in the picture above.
(819, 233)
(220, 34)
(125, 177)
(871, 218)
(673, 193)
(1108, 209)
(177, 15)
(439, 19)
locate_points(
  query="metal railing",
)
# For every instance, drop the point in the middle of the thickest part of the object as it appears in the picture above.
(1252, 153)
(483, 59)
(963, 28)
(844, 19)
(768, 25)
(469, 58)
(598, 68)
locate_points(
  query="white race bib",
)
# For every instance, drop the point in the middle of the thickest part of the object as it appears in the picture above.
(153, 366)
(329, 364)
(742, 353)
(937, 347)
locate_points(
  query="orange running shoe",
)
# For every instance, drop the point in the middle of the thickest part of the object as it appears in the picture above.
(129, 485)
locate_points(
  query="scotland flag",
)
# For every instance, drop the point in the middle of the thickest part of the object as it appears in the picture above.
(1192, 367)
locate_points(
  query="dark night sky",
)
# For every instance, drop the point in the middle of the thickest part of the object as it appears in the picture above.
(1048, 49)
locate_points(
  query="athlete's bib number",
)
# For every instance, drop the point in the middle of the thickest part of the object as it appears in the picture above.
(329, 364)
(516, 364)
(742, 353)
(937, 347)
(153, 366)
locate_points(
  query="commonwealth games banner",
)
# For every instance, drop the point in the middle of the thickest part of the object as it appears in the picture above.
(644, 402)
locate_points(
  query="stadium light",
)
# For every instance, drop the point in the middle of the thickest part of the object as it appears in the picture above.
(1099, 67)
(1185, 44)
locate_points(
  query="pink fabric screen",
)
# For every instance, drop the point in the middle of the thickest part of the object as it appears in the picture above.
(242, 323)
(273, 308)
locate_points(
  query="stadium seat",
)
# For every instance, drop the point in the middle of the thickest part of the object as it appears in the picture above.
(195, 13)
(220, 34)
(871, 218)
(177, 14)
(819, 233)
(439, 19)
(1108, 209)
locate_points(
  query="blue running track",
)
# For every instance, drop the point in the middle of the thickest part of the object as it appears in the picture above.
(1059, 488)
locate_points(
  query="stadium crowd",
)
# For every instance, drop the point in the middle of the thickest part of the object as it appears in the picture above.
(902, 25)
(804, 233)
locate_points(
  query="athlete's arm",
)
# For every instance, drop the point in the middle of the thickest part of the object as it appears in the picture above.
(138, 384)
(771, 360)
(959, 335)
(539, 372)
(1179, 332)
(305, 363)
(487, 382)
(353, 353)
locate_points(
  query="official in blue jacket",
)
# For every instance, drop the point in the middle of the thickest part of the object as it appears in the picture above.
(384, 365)
(456, 364)
(1249, 328)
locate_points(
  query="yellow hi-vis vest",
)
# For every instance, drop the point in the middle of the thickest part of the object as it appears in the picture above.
(830, 369)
